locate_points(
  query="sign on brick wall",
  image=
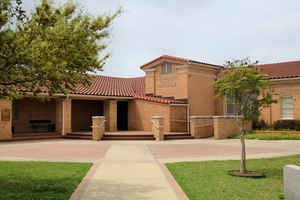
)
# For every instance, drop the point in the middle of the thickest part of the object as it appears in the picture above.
(166, 84)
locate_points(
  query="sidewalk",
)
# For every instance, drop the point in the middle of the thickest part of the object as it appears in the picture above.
(128, 171)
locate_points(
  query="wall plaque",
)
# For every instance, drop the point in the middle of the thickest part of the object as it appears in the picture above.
(5, 114)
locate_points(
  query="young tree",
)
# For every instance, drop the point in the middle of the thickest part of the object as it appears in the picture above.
(53, 50)
(248, 88)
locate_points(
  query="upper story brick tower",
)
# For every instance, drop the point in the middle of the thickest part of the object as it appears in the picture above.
(181, 78)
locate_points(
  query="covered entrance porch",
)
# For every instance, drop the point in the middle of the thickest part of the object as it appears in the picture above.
(36, 118)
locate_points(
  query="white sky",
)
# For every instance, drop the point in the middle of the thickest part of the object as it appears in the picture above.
(212, 31)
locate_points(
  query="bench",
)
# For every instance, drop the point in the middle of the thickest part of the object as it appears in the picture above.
(42, 126)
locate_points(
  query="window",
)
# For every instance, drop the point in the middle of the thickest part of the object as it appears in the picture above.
(286, 108)
(166, 68)
(231, 108)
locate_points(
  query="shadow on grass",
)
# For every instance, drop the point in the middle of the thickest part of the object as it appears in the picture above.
(36, 188)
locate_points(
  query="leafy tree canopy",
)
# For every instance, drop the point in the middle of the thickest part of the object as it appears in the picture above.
(246, 86)
(53, 50)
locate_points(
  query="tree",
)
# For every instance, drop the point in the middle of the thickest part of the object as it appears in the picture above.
(53, 50)
(249, 89)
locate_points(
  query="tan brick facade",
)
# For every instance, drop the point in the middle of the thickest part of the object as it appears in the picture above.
(158, 127)
(227, 126)
(111, 115)
(98, 127)
(283, 89)
(140, 115)
(5, 119)
(67, 116)
(201, 126)
(33, 109)
(188, 80)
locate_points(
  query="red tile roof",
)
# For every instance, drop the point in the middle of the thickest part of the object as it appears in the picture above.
(173, 58)
(281, 70)
(165, 57)
(112, 86)
(121, 87)
(159, 100)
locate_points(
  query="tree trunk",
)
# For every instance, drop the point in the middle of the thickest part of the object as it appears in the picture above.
(243, 168)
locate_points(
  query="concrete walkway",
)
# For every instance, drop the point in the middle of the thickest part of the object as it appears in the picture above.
(128, 171)
(134, 169)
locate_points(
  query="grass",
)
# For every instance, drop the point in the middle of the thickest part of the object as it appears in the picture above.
(267, 137)
(40, 180)
(209, 180)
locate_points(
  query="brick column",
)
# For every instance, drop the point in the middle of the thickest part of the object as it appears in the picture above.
(67, 116)
(5, 119)
(158, 127)
(201, 126)
(98, 127)
(59, 117)
(111, 108)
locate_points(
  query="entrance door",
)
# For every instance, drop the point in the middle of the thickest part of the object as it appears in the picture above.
(122, 115)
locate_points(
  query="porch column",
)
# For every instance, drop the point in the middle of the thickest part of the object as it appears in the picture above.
(111, 115)
(59, 115)
(67, 116)
(158, 127)
(5, 119)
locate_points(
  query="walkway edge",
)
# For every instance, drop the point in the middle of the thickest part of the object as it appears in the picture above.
(83, 184)
(177, 189)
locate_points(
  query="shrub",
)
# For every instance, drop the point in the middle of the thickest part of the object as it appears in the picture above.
(260, 125)
(287, 124)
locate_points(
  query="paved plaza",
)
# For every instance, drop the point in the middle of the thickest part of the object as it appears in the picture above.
(134, 169)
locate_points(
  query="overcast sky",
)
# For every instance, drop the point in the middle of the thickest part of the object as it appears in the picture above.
(212, 31)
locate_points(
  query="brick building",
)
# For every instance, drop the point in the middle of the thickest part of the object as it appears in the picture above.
(180, 90)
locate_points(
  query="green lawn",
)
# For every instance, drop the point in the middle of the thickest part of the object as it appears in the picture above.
(40, 180)
(209, 180)
(267, 137)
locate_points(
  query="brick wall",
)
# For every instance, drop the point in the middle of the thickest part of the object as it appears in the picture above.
(150, 82)
(67, 105)
(5, 119)
(171, 84)
(201, 126)
(283, 89)
(178, 120)
(227, 126)
(194, 82)
(140, 115)
(201, 92)
(59, 116)
(110, 112)
(82, 113)
(32, 109)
